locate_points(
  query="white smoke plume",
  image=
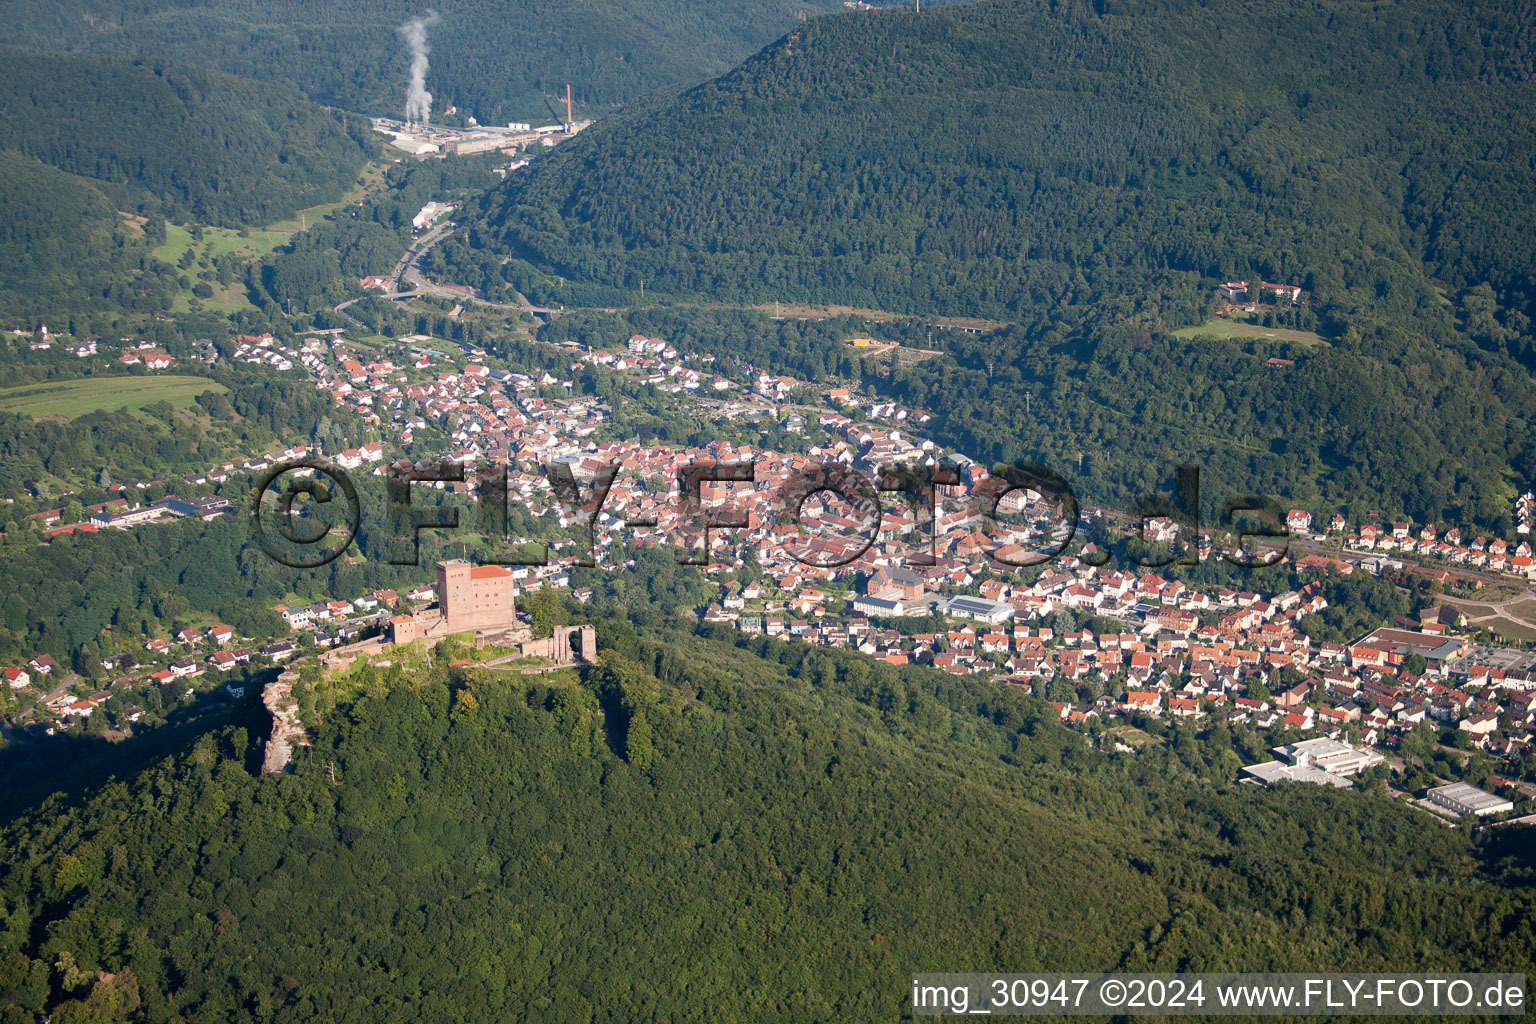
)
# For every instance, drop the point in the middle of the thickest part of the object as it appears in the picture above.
(418, 102)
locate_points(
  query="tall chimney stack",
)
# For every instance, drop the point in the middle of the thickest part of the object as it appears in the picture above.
(570, 122)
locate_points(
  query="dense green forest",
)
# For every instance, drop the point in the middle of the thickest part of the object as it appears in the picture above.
(1014, 156)
(185, 143)
(62, 245)
(84, 138)
(704, 828)
(1437, 433)
(499, 60)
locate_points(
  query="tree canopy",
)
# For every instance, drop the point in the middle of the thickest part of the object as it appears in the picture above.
(497, 59)
(191, 144)
(704, 827)
(1002, 157)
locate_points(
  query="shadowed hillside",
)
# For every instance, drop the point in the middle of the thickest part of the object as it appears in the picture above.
(698, 828)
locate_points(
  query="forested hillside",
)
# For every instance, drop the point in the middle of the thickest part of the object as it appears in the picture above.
(62, 244)
(717, 829)
(1090, 173)
(499, 59)
(183, 143)
(1012, 156)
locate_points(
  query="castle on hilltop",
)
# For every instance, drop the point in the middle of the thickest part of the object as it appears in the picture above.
(474, 599)
(470, 598)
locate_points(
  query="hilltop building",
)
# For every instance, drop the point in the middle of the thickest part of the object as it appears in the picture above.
(469, 598)
(1329, 755)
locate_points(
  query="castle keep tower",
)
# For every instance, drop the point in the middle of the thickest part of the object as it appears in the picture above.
(469, 598)
(474, 597)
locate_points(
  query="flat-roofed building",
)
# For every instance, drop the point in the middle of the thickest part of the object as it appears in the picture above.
(980, 608)
(1462, 799)
(1328, 755)
(125, 520)
(1271, 772)
(880, 607)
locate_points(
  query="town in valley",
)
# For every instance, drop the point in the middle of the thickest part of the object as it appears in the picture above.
(1128, 655)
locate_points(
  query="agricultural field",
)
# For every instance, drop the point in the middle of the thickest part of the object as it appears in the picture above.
(67, 399)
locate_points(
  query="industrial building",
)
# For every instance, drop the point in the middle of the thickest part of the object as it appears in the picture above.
(414, 146)
(1387, 646)
(1463, 799)
(427, 139)
(424, 139)
(490, 141)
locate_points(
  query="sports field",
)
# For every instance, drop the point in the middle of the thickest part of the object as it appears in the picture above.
(71, 398)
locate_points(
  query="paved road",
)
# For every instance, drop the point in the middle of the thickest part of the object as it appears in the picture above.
(352, 321)
(1489, 614)
(407, 261)
(67, 680)
(411, 256)
(411, 283)
(1492, 609)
